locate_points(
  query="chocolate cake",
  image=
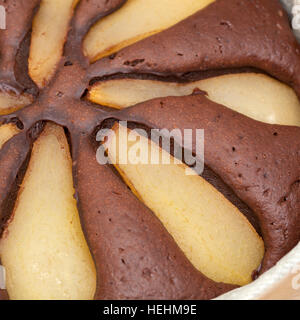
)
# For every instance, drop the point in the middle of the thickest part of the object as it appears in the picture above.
(255, 165)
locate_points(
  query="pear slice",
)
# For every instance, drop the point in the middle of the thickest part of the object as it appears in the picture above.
(7, 131)
(255, 95)
(43, 249)
(10, 103)
(214, 235)
(49, 32)
(134, 21)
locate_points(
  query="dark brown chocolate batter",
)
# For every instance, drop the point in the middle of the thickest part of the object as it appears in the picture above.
(135, 256)
(225, 34)
(256, 160)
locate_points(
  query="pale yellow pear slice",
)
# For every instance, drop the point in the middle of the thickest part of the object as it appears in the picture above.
(7, 131)
(49, 32)
(255, 95)
(134, 21)
(10, 103)
(213, 234)
(43, 249)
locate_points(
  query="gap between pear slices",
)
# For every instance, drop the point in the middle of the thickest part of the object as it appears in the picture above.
(49, 33)
(43, 248)
(134, 21)
(213, 234)
(255, 95)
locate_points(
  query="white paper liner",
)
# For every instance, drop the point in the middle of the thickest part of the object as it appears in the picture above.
(287, 266)
(2, 278)
(288, 4)
(293, 8)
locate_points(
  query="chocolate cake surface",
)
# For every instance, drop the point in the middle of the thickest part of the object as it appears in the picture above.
(257, 164)
(252, 157)
(221, 36)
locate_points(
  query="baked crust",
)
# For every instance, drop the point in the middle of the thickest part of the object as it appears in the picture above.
(224, 35)
(266, 177)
